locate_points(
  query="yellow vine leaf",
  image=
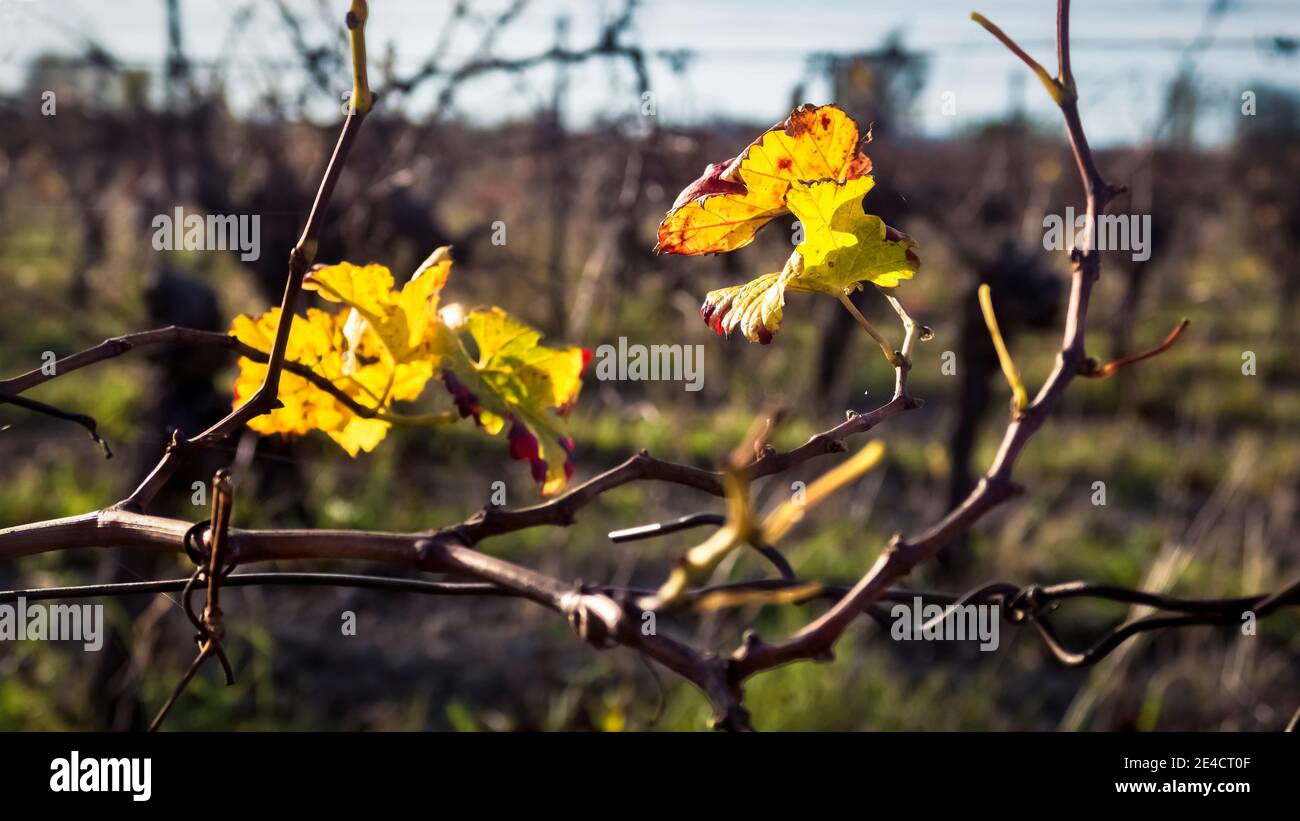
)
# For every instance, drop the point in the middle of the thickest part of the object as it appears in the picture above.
(756, 307)
(319, 342)
(725, 208)
(384, 344)
(843, 247)
(402, 320)
(504, 376)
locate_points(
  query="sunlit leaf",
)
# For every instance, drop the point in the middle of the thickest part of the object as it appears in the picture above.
(401, 319)
(842, 248)
(499, 374)
(384, 344)
(755, 308)
(724, 208)
(319, 342)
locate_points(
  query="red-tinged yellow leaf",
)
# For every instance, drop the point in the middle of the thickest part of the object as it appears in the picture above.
(510, 381)
(756, 307)
(305, 408)
(842, 248)
(725, 208)
(359, 434)
(524, 371)
(368, 288)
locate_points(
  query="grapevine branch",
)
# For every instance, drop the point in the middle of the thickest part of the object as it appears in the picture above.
(1020, 605)
(175, 335)
(211, 569)
(606, 616)
(87, 422)
(265, 399)
(1093, 370)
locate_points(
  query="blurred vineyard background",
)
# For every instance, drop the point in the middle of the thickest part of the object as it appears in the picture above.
(1201, 463)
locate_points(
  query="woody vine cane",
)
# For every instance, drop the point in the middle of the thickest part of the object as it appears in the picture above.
(209, 569)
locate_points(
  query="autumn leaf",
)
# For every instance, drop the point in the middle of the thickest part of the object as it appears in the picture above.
(505, 377)
(843, 247)
(318, 341)
(756, 307)
(379, 352)
(812, 166)
(402, 320)
(385, 344)
(725, 208)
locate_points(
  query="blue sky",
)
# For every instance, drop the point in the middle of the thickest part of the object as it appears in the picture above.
(750, 53)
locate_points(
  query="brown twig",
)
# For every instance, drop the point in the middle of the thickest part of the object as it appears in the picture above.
(175, 335)
(1092, 370)
(597, 618)
(85, 421)
(1021, 605)
(497, 521)
(607, 45)
(211, 626)
(300, 260)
